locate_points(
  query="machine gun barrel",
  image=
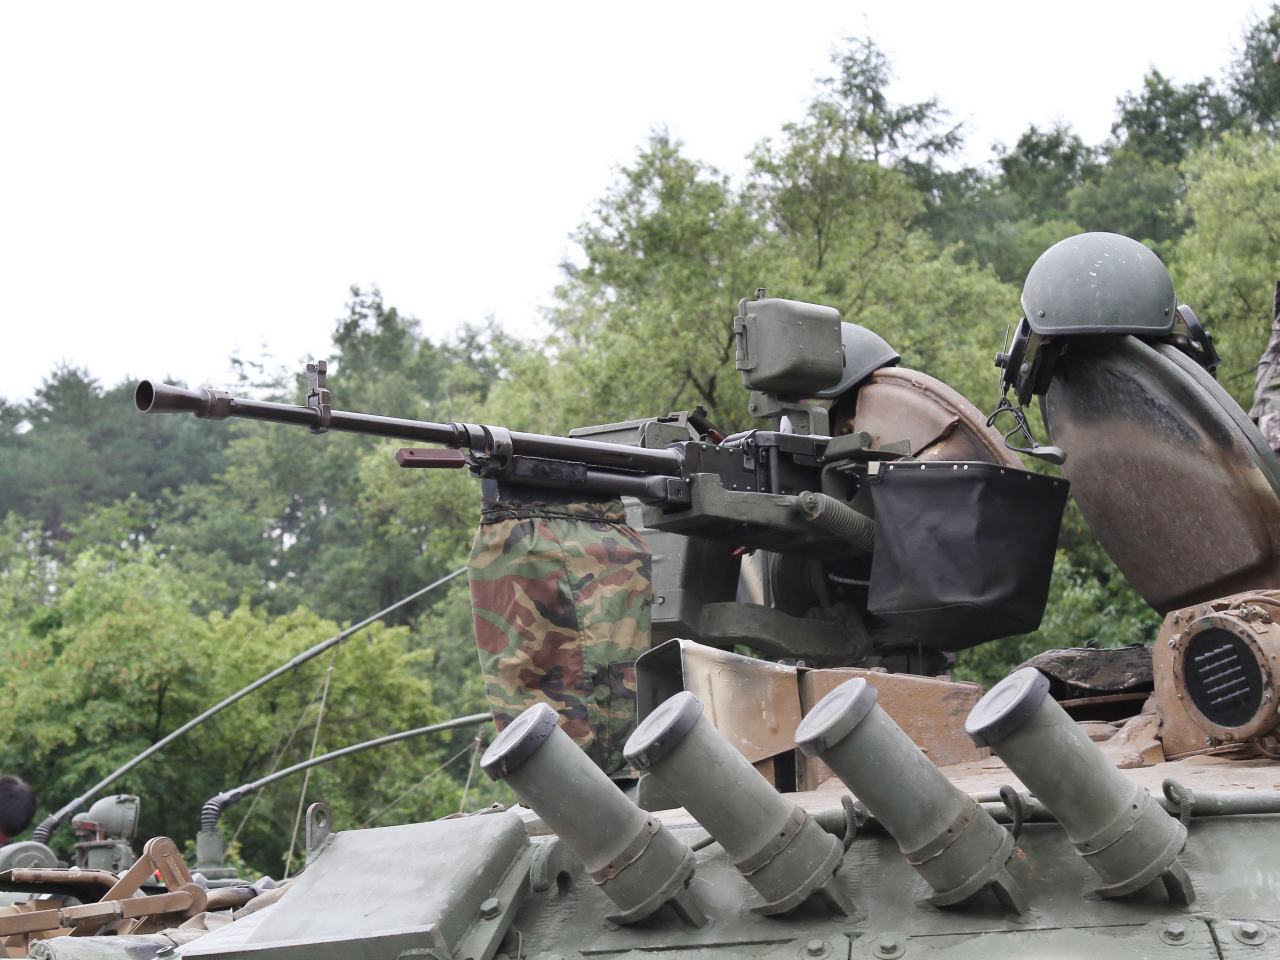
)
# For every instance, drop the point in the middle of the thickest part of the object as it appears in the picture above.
(499, 446)
(742, 488)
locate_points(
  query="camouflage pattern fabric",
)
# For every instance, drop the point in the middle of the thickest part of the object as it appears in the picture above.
(560, 596)
(1265, 411)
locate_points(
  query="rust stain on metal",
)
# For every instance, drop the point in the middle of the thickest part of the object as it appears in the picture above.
(930, 711)
(897, 404)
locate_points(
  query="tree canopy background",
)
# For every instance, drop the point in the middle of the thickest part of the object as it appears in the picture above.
(151, 565)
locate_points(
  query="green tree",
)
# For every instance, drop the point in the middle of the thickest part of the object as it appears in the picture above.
(117, 657)
(1253, 78)
(909, 135)
(290, 520)
(75, 445)
(1043, 168)
(1009, 219)
(1227, 264)
(125, 619)
(642, 324)
(844, 233)
(916, 139)
(1164, 121)
(383, 364)
(1132, 196)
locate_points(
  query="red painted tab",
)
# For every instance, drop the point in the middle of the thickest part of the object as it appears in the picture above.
(445, 457)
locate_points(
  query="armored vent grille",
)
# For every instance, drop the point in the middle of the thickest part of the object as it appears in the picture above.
(1222, 674)
(1223, 677)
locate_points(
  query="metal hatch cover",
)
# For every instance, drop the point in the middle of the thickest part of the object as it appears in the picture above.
(755, 703)
(1174, 480)
(415, 889)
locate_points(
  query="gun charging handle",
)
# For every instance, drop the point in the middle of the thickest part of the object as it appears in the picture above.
(1125, 837)
(777, 847)
(950, 841)
(632, 858)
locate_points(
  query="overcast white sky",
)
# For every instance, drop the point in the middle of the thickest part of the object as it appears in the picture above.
(181, 180)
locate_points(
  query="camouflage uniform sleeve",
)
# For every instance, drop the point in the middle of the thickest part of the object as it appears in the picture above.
(1265, 411)
(560, 597)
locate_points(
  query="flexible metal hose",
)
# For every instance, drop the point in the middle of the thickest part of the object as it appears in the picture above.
(839, 519)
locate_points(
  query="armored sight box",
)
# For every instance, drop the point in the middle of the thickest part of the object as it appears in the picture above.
(787, 347)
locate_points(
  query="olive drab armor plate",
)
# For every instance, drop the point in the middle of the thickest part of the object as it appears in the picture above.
(414, 890)
(1173, 478)
(897, 404)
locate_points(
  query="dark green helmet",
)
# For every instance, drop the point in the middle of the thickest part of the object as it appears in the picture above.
(1099, 283)
(865, 352)
(1091, 284)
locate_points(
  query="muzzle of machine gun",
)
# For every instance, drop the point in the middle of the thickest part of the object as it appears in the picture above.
(155, 397)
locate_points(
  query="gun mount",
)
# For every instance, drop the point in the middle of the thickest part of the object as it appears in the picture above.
(788, 517)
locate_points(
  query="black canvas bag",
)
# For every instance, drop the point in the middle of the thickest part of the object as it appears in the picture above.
(964, 551)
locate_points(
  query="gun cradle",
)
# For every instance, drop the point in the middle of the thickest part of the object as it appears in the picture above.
(765, 521)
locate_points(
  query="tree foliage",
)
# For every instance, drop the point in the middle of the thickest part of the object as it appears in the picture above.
(119, 658)
(140, 602)
(642, 319)
(75, 445)
(1228, 262)
(890, 133)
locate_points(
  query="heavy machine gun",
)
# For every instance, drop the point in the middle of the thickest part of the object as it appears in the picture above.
(768, 489)
(684, 476)
(800, 497)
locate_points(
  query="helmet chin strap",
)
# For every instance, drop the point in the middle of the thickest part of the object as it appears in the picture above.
(1006, 363)
(1054, 455)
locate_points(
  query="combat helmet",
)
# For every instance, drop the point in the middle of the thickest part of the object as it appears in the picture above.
(1091, 285)
(1099, 283)
(865, 352)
